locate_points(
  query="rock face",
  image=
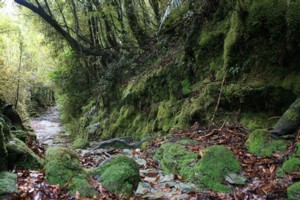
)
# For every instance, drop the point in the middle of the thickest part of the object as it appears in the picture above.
(290, 121)
(120, 176)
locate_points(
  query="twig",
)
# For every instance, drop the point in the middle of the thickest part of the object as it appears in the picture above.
(209, 134)
(219, 98)
(236, 133)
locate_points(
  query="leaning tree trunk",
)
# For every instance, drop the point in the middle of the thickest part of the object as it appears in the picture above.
(290, 120)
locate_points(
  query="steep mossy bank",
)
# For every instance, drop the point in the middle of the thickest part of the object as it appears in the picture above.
(235, 51)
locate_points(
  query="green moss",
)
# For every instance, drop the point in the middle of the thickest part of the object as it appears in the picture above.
(24, 135)
(292, 164)
(8, 183)
(292, 82)
(293, 191)
(80, 143)
(260, 143)
(252, 121)
(62, 164)
(3, 151)
(120, 176)
(81, 185)
(217, 162)
(6, 129)
(21, 156)
(174, 158)
(166, 113)
(186, 87)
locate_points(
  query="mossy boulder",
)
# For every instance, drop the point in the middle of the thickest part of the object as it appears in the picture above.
(120, 176)
(292, 164)
(21, 156)
(8, 183)
(62, 164)
(80, 184)
(290, 121)
(293, 191)
(261, 143)
(24, 135)
(3, 151)
(210, 171)
(80, 143)
(174, 158)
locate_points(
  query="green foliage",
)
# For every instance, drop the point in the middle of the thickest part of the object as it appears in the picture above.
(120, 176)
(293, 191)
(174, 158)
(217, 162)
(20, 156)
(61, 165)
(260, 143)
(8, 182)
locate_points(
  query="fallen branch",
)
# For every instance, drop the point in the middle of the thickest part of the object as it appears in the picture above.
(126, 141)
(219, 98)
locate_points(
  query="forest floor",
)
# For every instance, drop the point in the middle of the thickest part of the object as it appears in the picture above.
(262, 181)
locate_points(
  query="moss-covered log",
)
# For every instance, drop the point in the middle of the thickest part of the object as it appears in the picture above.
(290, 120)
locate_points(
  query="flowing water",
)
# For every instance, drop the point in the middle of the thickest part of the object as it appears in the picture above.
(49, 129)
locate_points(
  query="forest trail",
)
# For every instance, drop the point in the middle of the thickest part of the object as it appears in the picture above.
(48, 129)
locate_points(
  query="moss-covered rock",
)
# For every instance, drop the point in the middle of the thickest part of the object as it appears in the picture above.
(80, 143)
(294, 191)
(24, 135)
(253, 121)
(8, 183)
(120, 176)
(261, 143)
(80, 184)
(174, 158)
(292, 164)
(217, 162)
(3, 151)
(61, 165)
(21, 156)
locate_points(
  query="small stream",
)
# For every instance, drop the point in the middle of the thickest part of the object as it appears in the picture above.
(49, 129)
